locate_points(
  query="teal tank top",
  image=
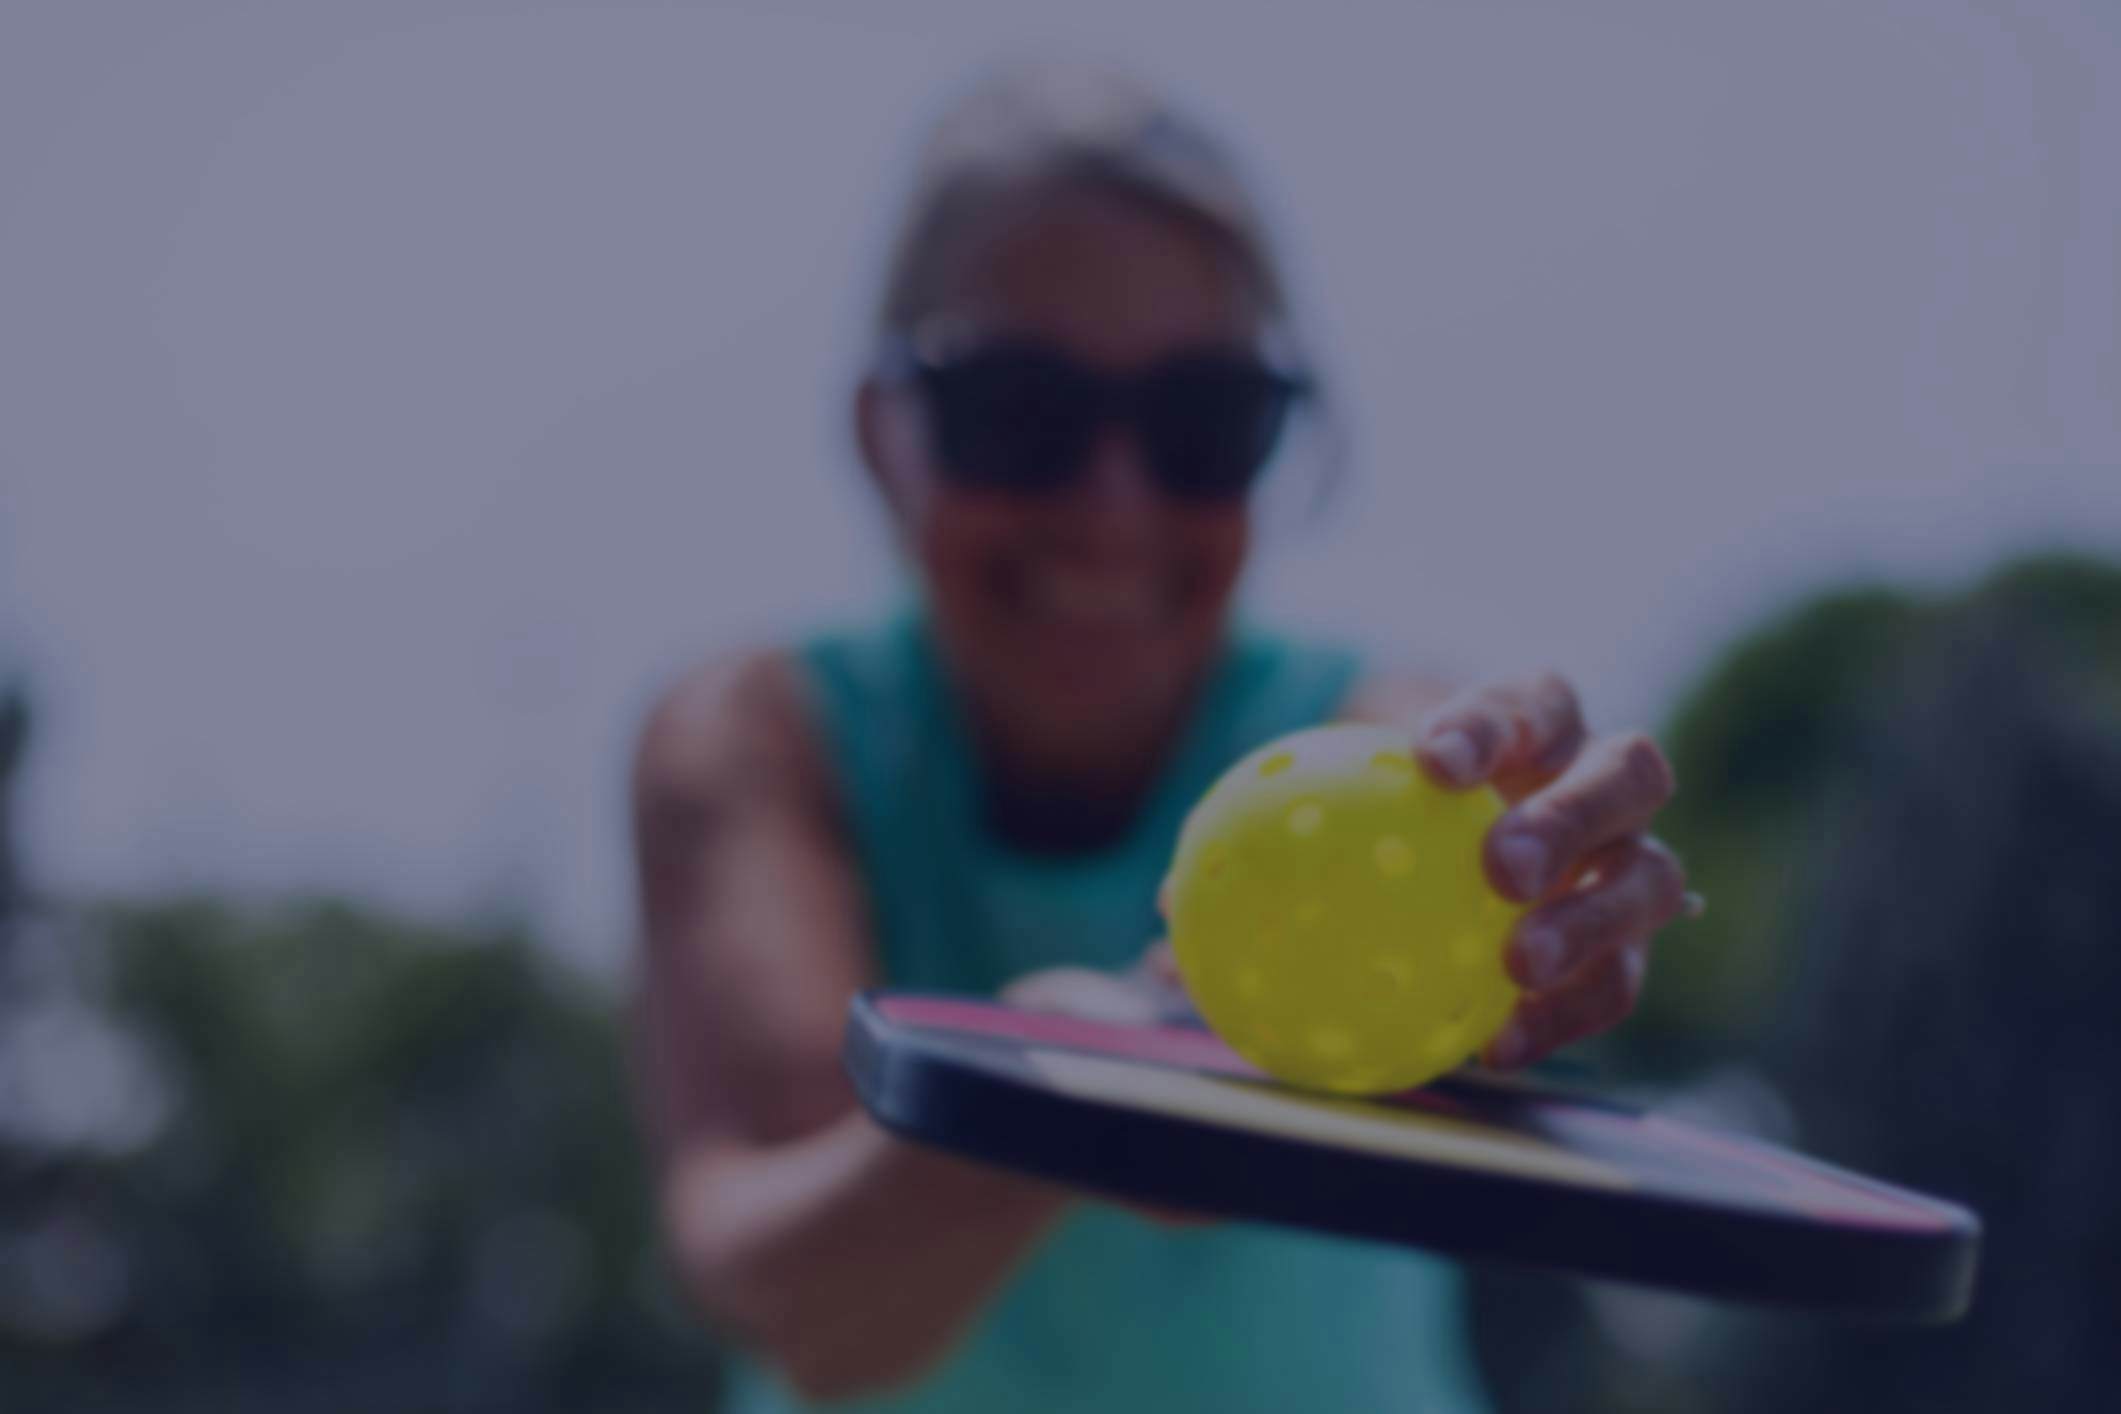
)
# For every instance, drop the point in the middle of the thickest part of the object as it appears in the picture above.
(1111, 1313)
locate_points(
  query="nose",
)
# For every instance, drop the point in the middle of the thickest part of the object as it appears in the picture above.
(1115, 488)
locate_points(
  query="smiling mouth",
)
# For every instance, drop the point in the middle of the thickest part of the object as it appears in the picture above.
(1066, 597)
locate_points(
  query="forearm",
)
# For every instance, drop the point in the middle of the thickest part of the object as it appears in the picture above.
(848, 1257)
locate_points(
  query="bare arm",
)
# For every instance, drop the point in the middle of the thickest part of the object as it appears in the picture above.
(845, 1257)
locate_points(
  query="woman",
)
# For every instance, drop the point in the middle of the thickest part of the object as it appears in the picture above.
(1076, 387)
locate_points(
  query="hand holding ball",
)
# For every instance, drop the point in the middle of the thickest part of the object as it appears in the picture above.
(1330, 916)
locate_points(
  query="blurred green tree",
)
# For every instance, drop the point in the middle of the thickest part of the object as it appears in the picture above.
(388, 1166)
(1903, 811)
(1772, 744)
(1952, 1022)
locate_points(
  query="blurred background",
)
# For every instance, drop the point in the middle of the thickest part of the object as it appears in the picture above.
(394, 395)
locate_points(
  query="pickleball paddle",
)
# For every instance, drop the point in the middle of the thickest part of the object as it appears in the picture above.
(1481, 1167)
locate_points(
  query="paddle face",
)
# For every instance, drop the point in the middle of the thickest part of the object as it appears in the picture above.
(1484, 1168)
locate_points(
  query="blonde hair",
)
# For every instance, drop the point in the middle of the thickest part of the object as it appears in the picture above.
(1030, 130)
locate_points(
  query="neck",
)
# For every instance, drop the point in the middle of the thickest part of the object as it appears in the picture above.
(1076, 795)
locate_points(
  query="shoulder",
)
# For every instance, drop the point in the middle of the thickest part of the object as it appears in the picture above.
(736, 718)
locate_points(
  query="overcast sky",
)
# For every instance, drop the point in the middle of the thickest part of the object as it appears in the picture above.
(392, 393)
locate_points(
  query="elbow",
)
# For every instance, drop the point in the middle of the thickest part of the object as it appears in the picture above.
(824, 1355)
(713, 1274)
(724, 1286)
(827, 1346)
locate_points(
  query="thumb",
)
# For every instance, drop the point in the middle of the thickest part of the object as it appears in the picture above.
(1160, 965)
(1087, 995)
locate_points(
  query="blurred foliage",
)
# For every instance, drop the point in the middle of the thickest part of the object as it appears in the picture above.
(1952, 1023)
(1769, 747)
(1756, 750)
(1905, 812)
(390, 1166)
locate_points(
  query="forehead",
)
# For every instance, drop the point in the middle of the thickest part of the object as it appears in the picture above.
(1114, 281)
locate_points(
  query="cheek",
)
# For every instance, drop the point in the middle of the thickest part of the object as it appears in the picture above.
(1215, 544)
(958, 539)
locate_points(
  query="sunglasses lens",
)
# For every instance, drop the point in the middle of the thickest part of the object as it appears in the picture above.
(1210, 424)
(1023, 418)
(1012, 419)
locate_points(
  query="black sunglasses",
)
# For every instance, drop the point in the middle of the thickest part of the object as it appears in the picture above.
(1021, 416)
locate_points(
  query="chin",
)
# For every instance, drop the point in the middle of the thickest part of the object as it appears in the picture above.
(1084, 650)
(1106, 678)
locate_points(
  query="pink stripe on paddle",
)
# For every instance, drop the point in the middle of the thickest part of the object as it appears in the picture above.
(1178, 1046)
(1835, 1196)
(1181, 1047)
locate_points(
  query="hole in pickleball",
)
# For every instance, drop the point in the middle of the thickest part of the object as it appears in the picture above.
(1279, 762)
(1307, 819)
(1394, 856)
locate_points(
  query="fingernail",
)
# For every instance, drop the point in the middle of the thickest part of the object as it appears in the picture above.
(1455, 756)
(1538, 955)
(1525, 860)
(1693, 905)
(1511, 1047)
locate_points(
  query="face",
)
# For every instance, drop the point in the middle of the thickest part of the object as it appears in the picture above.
(1089, 613)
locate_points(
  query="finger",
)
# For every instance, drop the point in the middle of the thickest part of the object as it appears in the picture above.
(1157, 972)
(1640, 887)
(1086, 995)
(1550, 735)
(1599, 997)
(1160, 964)
(1612, 791)
(1517, 735)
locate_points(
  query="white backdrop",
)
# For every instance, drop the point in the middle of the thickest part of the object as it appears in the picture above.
(391, 394)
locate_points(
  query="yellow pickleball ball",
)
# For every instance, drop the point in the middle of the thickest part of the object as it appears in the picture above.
(1330, 916)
